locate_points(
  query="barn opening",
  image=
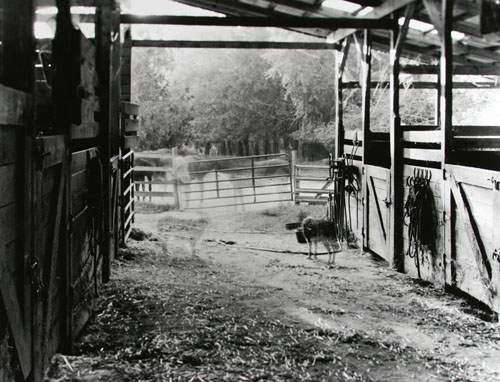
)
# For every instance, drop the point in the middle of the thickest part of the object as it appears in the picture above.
(415, 90)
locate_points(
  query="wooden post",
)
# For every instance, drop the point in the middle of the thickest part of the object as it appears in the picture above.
(365, 89)
(176, 184)
(395, 239)
(293, 175)
(126, 68)
(107, 14)
(446, 81)
(366, 77)
(445, 122)
(253, 180)
(340, 61)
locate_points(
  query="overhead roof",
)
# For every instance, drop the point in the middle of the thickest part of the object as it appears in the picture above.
(470, 46)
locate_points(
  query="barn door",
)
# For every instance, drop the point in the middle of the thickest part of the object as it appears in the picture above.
(48, 269)
(377, 209)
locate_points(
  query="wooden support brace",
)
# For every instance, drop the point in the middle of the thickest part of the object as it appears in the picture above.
(471, 228)
(17, 325)
(53, 255)
(409, 11)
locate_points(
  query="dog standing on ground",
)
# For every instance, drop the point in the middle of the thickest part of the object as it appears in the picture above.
(324, 231)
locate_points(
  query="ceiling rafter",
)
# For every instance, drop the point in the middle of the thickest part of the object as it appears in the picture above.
(258, 21)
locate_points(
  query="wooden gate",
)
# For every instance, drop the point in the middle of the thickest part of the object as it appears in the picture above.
(377, 209)
(473, 233)
(129, 127)
(50, 268)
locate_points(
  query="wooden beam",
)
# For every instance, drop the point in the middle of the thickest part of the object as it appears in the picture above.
(433, 10)
(345, 54)
(386, 9)
(395, 242)
(444, 106)
(480, 70)
(365, 86)
(126, 70)
(103, 63)
(233, 44)
(340, 61)
(409, 11)
(18, 45)
(365, 68)
(446, 81)
(424, 85)
(258, 21)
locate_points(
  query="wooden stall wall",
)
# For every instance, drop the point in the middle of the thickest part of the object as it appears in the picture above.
(85, 212)
(15, 236)
(17, 281)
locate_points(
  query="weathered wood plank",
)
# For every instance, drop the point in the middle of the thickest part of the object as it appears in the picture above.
(476, 131)
(12, 308)
(15, 106)
(422, 154)
(88, 109)
(79, 159)
(129, 108)
(130, 141)
(422, 136)
(353, 135)
(477, 177)
(51, 281)
(154, 194)
(8, 217)
(85, 130)
(8, 184)
(8, 144)
(130, 125)
(476, 143)
(52, 149)
(378, 172)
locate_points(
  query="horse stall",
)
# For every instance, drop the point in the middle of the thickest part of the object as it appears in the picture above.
(429, 195)
(64, 160)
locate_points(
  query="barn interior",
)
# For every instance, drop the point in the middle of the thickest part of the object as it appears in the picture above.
(68, 129)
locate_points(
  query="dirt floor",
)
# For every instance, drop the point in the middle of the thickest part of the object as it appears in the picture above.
(215, 296)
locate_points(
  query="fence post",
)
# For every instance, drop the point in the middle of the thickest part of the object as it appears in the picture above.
(253, 180)
(177, 193)
(293, 185)
(217, 178)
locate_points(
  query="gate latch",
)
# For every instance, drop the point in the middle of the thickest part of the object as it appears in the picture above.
(40, 148)
(496, 254)
(494, 183)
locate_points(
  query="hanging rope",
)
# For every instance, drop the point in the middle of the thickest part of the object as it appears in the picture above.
(419, 216)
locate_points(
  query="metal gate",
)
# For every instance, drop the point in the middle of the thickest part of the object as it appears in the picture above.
(236, 181)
